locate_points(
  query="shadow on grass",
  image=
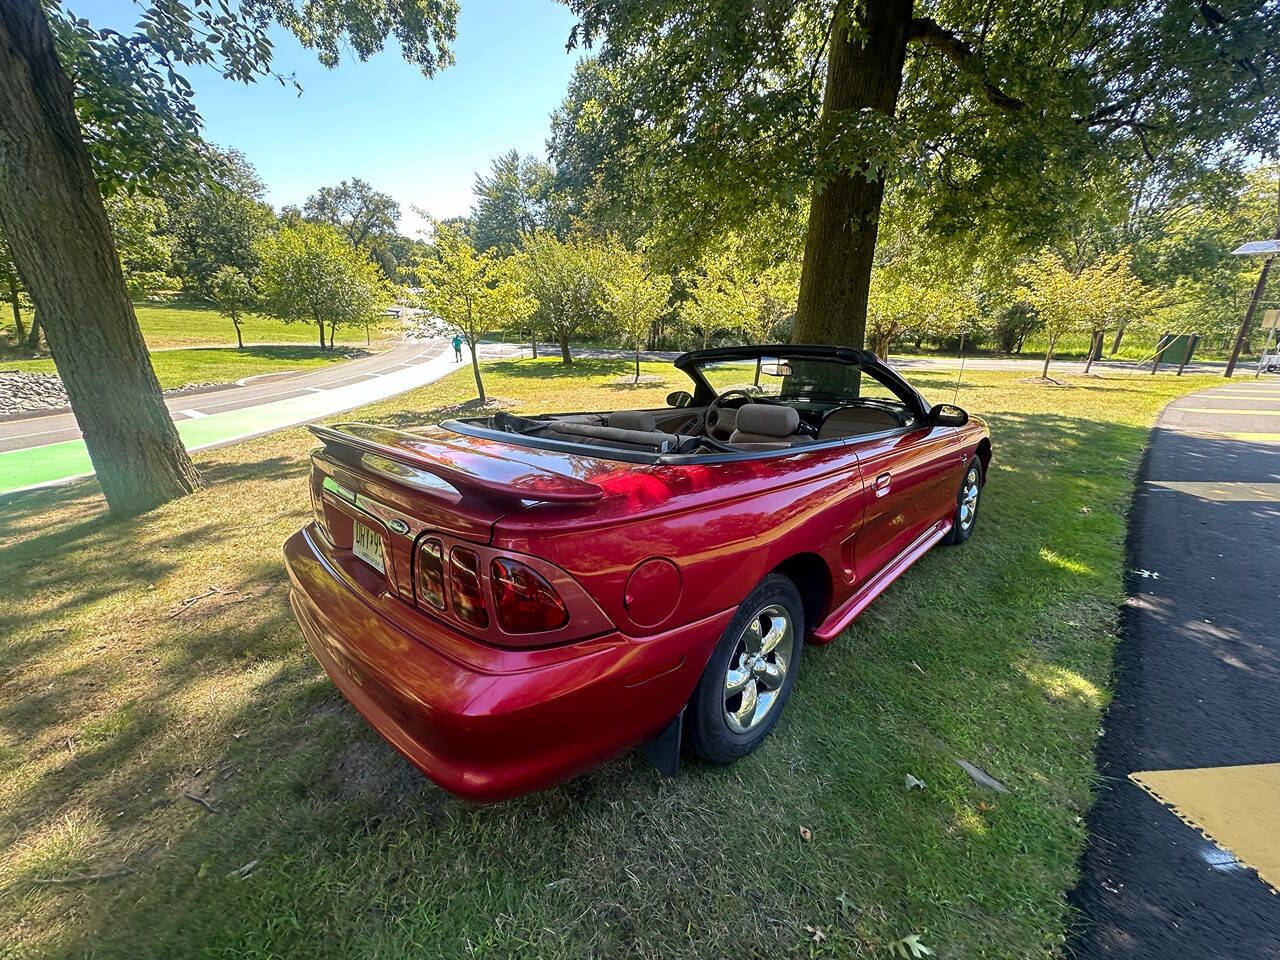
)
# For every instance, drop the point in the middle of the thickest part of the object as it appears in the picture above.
(999, 652)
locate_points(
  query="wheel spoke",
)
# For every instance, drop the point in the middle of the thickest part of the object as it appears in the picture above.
(747, 709)
(736, 679)
(753, 637)
(777, 629)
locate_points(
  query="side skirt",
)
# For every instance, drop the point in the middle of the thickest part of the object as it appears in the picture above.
(843, 615)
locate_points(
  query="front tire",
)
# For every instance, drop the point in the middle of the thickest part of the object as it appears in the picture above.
(967, 502)
(748, 680)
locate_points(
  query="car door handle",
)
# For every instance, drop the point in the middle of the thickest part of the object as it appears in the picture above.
(881, 486)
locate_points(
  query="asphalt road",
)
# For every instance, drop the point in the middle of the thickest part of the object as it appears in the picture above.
(36, 431)
(1197, 690)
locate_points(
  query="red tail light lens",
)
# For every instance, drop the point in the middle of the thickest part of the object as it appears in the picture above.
(464, 585)
(431, 573)
(526, 603)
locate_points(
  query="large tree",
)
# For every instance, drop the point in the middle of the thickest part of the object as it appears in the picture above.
(218, 222)
(513, 200)
(566, 279)
(466, 293)
(137, 122)
(1001, 113)
(310, 273)
(365, 216)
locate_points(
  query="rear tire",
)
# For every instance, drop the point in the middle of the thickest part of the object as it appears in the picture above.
(748, 680)
(968, 499)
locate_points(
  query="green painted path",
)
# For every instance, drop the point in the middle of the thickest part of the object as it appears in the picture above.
(55, 463)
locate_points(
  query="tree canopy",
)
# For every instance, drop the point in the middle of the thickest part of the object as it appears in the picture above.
(468, 293)
(998, 116)
(310, 273)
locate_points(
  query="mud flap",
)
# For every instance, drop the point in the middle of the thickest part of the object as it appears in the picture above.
(663, 751)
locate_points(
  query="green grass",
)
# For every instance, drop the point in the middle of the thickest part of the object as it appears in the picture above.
(178, 368)
(181, 324)
(193, 324)
(149, 660)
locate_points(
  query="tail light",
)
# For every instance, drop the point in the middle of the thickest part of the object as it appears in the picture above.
(525, 601)
(431, 573)
(464, 585)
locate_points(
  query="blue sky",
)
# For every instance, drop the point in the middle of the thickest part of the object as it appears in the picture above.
(420, 140)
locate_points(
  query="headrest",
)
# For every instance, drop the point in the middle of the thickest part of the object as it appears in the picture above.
(768, 420)
(631, 420)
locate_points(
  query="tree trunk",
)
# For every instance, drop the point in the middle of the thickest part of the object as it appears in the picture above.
(1095, 341)
(239, 338)
(637, 361)
(33, 337)
(17, 308)
(564, 349)
(475, 370)
(844, 212)
(320, 324)
(1048, 355)
(1115, 344)
(51, 212)
(533, 343)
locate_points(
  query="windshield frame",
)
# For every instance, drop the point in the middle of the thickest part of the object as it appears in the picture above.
(691, 364)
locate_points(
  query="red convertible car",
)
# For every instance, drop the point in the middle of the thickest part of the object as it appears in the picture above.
(511, 599)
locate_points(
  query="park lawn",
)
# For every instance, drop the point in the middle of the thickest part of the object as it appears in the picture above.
(180, 368)
(185, 324)
(192, 324)
(148, 661)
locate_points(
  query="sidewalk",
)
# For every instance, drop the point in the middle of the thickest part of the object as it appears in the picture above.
(1191, 749)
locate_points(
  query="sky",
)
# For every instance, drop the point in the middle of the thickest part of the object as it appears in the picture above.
(420, 140)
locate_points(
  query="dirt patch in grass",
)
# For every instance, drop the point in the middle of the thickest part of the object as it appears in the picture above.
(998, 652)
(646, 379)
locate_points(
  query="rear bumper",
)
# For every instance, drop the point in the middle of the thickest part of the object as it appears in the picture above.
(493, 723)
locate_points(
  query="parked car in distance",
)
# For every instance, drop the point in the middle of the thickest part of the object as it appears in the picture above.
(510, 600)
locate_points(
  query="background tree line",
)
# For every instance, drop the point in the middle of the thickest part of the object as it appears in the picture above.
(867, 156)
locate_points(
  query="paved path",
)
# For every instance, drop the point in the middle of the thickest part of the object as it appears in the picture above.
(45, 450)
(1192, 739)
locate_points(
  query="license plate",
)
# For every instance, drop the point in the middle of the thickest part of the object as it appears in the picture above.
(367, 545)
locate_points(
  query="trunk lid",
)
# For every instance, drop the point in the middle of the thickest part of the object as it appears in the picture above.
(401, 483)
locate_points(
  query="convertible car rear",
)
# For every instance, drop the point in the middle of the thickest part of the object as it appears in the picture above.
(509, 600)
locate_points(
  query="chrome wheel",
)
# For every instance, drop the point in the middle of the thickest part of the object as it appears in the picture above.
(757, 669)
(969, 498)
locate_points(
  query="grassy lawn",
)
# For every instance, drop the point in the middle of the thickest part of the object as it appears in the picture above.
(149, 661)
(183, 324)
(177, 368)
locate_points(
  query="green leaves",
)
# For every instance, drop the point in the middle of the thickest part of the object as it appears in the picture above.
(311, 273)
(469, 293)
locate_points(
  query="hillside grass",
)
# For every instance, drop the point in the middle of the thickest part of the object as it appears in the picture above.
(148, 661)
(194, 324)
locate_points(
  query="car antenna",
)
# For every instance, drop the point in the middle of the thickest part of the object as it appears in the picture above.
(956, 393)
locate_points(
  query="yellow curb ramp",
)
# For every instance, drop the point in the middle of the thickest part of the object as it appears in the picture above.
(1238, 808)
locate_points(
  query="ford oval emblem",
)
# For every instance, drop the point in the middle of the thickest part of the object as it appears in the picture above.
(398, 525)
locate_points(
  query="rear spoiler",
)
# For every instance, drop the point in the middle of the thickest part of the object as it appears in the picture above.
(463, 467)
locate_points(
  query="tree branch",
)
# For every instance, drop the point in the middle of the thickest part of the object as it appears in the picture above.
(930, 33)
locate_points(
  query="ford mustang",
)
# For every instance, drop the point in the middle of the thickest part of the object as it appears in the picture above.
(510, 599)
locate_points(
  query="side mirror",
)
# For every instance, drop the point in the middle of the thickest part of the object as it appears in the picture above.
(679, 398)
(948, 415)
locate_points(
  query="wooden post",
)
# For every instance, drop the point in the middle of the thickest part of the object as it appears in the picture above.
(1191, 349)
